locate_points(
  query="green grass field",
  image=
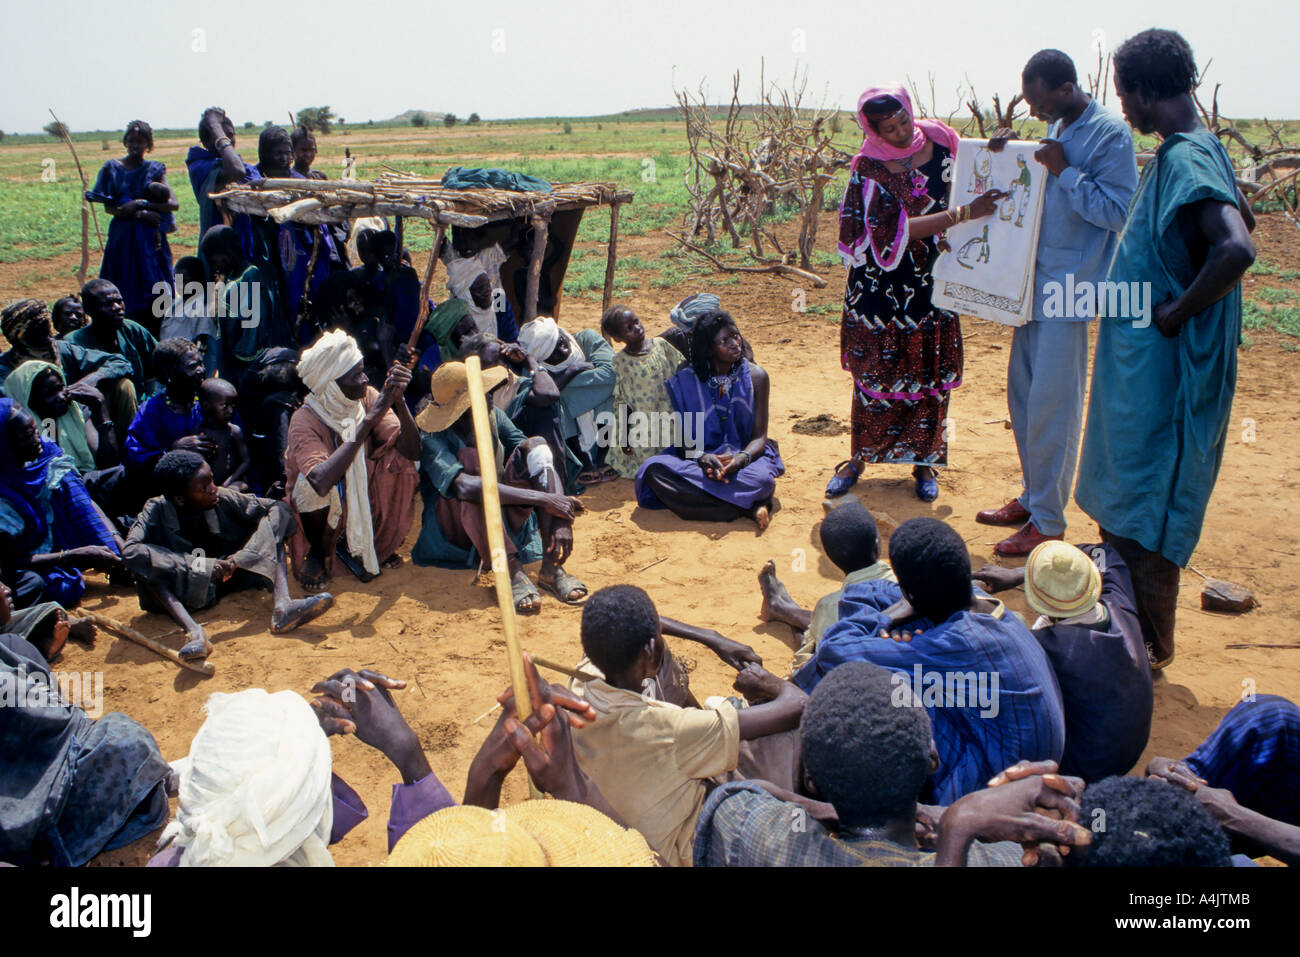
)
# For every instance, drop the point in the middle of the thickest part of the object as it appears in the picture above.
(643, 151)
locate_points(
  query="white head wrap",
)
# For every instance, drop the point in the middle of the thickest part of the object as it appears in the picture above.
(462, 271)
(333, 354)
(255, 790)
(538, 338)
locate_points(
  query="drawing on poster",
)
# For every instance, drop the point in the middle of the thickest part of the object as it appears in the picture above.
(988, 270)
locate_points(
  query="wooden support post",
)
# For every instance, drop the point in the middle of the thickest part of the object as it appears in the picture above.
(608, 297)
(541, 223)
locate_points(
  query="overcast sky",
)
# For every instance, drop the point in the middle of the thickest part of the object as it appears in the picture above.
(100, 66)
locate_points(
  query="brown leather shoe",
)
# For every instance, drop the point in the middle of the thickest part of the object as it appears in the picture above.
(1024, 541)
(1013, 513)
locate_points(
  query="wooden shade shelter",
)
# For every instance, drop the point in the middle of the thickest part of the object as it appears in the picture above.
(488, 214)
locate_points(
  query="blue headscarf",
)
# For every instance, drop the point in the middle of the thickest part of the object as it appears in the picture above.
(28, 485)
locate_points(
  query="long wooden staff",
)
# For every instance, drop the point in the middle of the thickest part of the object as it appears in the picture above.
(67, 138)
(423, 314)
(306, 307)
(496, 534)
(130, 634)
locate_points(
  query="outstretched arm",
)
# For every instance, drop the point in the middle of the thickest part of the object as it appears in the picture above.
(732, 652)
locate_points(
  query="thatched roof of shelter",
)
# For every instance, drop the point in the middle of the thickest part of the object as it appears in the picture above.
(406, 194)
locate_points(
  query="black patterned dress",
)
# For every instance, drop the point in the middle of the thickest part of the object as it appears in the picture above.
(904, 354)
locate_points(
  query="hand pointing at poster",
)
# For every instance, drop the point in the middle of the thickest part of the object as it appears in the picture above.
(985, 204)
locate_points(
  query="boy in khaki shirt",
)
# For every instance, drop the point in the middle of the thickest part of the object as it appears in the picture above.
(653, 760)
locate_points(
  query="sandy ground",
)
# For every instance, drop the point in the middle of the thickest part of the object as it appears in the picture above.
(433, 628)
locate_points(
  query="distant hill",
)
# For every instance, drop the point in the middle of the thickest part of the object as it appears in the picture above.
(404, 119)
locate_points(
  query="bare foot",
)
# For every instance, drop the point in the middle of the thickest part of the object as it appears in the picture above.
(777, 602)
(312, 577)
(392, 561)
(763, 517)
(82, 630)
(300, 612)
(197, 647)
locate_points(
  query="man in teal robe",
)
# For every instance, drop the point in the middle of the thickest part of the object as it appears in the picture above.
(1165, 371)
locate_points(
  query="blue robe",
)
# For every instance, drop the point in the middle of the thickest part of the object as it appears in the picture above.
(136, 254)
(1025, 721)
(204, 168)
(45, 508)
(1159, 410)
(719, 420)
(154, 429)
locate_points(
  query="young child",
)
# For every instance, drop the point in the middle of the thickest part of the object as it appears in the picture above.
(189, 315)
(642, 368)
(230, 461)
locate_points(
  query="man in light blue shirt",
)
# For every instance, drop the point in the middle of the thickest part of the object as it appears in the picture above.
(1087, 170)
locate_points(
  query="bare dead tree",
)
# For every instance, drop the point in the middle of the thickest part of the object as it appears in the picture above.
(746, 162)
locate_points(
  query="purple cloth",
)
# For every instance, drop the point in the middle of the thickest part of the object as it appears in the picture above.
(718, 417)
(154, 429)
(411, 803)
(136, 254)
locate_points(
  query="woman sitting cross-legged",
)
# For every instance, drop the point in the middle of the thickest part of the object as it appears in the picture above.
(725, 465)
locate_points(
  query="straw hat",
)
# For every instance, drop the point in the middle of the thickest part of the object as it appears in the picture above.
(467, 836)
(540, 833)
(1060, 580)
(449, 395)
(575, 835)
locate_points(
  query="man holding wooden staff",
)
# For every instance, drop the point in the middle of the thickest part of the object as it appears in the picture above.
(538, 515)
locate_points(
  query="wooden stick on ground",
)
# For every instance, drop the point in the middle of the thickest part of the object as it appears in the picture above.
(130, 634)
(491, 497)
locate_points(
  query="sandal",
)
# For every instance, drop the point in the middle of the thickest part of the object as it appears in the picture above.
(596, 476)
(839, 484)
(563, 587)
(522, 591)
(927, 483)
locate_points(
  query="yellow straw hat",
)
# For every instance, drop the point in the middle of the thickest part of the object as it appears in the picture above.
(575, 835)
(1060, 580)
(467, 836)
(449, 395)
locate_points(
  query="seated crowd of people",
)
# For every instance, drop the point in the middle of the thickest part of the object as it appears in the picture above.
(278, 425)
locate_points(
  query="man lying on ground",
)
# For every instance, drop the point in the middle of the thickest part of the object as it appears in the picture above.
(866, 758)
(196, 543)
(850, 539)
(989, 687)
(650, 758)
(1089, 628)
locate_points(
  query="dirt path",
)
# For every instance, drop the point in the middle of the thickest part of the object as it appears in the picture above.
(432, 628)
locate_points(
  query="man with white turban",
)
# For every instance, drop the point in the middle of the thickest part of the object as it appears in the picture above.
(582, 366)
(255, 789)
(349, 464)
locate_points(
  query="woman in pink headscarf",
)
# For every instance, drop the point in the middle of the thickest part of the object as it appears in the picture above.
(905, 355)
